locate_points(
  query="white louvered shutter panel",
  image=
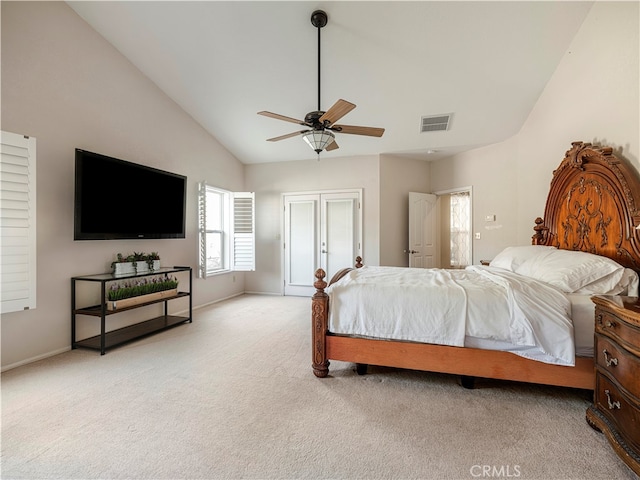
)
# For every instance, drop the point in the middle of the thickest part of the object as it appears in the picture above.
(243, 244)
(202, 230)
(17, 222)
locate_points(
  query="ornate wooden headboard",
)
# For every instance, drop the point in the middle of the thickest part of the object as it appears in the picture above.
(593, 206)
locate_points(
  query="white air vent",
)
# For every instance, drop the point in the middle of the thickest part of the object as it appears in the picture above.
(435, 123)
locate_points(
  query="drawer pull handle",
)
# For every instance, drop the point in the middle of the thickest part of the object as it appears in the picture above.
(612, 405)
(606, 324)
(610, 363)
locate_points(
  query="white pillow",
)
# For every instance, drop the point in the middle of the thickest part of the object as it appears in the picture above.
(613, 284)
(632, 286)
(571, 271)
(512, 257)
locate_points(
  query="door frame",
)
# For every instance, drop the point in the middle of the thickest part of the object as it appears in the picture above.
(471, 229)
(359, 231)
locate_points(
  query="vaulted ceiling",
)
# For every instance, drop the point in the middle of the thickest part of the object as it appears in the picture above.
(485, 63)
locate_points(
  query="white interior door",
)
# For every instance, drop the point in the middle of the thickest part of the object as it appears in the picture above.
(339, 245)
(321, 230)
(301, 243)
(423, 231)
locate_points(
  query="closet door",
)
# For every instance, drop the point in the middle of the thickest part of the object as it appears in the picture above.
(339, 242)
(301, 226)
(322, 230)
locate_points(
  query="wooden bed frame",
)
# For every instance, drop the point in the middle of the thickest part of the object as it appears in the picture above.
(592, 206)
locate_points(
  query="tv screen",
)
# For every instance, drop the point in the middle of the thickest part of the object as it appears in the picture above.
(116, 199)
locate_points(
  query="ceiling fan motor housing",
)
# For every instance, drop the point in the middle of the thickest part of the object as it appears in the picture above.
(313, 120)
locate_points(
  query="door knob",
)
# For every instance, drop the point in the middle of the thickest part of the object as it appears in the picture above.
(323, 251)
(411, 251)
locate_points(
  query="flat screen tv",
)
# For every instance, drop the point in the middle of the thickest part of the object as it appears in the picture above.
(116, 199)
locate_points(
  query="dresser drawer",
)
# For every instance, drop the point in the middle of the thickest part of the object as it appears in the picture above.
(620, 364)
(611, 326)
(618, 409)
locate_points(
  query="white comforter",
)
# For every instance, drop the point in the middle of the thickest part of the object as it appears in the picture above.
(446, 306)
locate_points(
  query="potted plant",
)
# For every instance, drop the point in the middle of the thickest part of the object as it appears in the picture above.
(140, 290)
(137, 262)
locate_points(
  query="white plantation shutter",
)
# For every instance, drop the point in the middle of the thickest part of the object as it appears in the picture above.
(243, 232)
(17, 222)
(202, 230)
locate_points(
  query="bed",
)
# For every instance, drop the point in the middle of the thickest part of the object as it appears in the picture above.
(591, 210)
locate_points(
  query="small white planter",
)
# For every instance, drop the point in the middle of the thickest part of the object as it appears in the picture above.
(127, 268)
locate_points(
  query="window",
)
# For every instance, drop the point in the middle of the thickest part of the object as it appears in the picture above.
(460, 231)
(17, 222)
(226, 231)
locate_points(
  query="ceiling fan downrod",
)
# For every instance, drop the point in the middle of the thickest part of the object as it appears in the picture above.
(319, 19)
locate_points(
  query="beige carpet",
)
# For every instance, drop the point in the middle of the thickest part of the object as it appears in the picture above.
(233, 396)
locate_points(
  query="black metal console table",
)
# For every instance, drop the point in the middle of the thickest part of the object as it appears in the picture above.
(108, 339)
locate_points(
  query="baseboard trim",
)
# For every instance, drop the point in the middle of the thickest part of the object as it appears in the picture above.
(202, 305)
(35, 359)
(66, 349)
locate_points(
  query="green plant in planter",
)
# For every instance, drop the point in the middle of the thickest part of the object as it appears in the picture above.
(136, 257)
(141, 286)
(153, 256)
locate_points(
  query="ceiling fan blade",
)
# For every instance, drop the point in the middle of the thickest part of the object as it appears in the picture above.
(336, 112)
(332, 146)
(288, 135)
(282, 117)
(356, 130)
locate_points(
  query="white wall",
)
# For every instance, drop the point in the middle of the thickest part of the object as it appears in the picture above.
(398, 177)
(491, 173)
(593, 96)
(65, 85)
(271, 180)
(385, 180)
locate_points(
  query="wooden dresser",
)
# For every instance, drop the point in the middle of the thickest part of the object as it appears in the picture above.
(616, 399)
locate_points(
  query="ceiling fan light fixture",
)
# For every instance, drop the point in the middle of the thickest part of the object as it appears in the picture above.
(318, 140)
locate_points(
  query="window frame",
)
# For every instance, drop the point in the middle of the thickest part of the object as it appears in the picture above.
(460, 232)
(236, 229)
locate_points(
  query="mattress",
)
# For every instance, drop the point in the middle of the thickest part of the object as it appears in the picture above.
(476, 307)
(583, 316)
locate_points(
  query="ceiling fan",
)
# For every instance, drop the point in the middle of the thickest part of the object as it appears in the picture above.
(321, 124)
